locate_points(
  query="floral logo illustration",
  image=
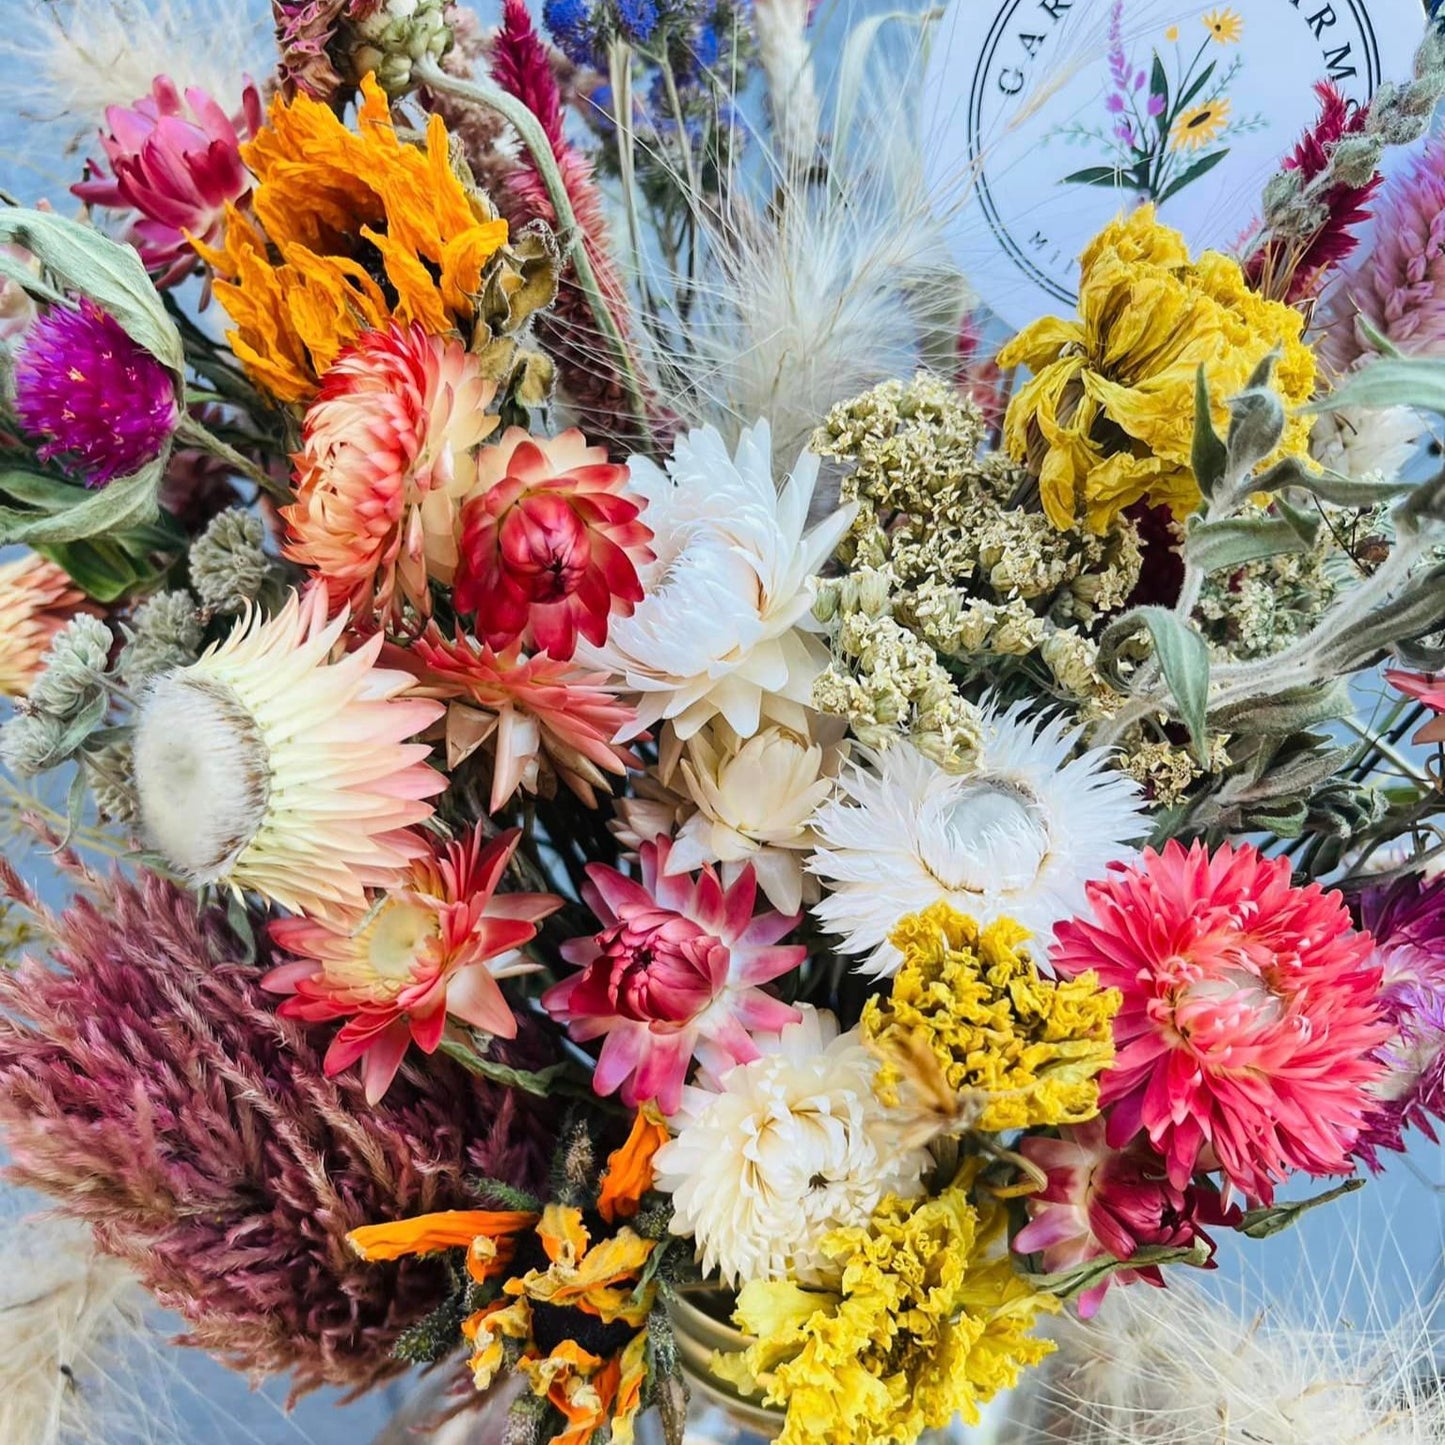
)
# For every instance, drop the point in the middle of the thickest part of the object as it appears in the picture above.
(1167, 125)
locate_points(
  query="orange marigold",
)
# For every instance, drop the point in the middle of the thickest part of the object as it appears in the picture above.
(348, 231)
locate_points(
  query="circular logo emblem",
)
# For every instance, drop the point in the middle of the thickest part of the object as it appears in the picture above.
(1049, 117)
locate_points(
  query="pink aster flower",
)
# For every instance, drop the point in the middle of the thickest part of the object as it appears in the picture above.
(433, 947)
(1104, 1203)
(176, 163)
(1429, 690)
(1407, 921)
(535, 712)
(387, 454)
(550, 543)
(104, 405)
(674, 974)
(1250, 1018)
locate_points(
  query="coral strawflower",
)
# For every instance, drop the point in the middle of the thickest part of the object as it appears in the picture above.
(1108, 416)
(1428, 689)
(37, 599)
(674, 973)
(265, 765)
(538, 715)
(431, 947)
(176, 162)
(332, 211)
(1251, 1014)
(551, 543)
(387, 454)
(1104, 1203)
(103, 404)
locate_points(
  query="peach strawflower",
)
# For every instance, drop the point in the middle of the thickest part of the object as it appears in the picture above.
(37, 599)
(387, 454)
(551, 543)
(540, 716)
(433, 947)
(1251, 1015)
(266, 765)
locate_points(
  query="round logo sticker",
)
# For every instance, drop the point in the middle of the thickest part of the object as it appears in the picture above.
(1049, 117)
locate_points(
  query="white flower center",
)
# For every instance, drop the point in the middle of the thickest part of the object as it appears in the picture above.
(202, 773)
(983, 837)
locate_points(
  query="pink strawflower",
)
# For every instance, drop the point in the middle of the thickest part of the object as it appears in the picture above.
(1105, 1203)
(1250, 1019)
(433, 947)
(1399, 288)
(148, 1087)
(37, 599)
(1407, 921)
(103, 404)
(536, 713)
(176, 163)
(1427, 689)
(673, 975)
(551, 543)
(387, 454)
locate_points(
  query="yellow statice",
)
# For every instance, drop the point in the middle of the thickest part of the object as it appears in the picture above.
(930, 1320)
(350, 230)
(1028, 1049)
(1108, 416)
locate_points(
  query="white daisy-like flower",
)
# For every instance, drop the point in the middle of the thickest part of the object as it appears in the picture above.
(726, 624)
(266, 765)
(1017, 836)
(781, 1151)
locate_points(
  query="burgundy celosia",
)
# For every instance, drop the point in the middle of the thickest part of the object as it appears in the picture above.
(1407, 921)
(147, 1085)
(1246, 1040)
(674, 974)
(1103, 1203)
(177, 163)
(1303, 268)
(104, 404)
(551, 543)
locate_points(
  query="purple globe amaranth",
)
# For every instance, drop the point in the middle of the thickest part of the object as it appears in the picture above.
(1407, 919)
(103, 403)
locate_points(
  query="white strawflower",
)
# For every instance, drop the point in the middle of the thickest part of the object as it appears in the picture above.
(755, 799)
(1016, 836)
(782, 1151)
(726, 624)
(267, 765)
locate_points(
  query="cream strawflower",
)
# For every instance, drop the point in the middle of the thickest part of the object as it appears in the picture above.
(1017, 836)
(37, 599)
(726, 624)
(265, 765)
(755, 798)
(781, 1152)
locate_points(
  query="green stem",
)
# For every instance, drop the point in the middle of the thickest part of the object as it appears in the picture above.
(195, 432)
(490, 96)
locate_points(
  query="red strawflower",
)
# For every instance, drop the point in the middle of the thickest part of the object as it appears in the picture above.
(674, 974)
(1103, 1203)
(433, 947)
(1250, 1018)
(550, 543)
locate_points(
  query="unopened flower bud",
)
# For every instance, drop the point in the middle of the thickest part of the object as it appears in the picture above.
(108, 770)
(32, 743)
(395, 36)
(1356, 159)
(165, 633)
(228, 562)
(74, 667)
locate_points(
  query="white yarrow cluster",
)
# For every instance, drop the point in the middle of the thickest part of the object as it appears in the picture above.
(1017, 836)
(726, 624)
(780, 1152)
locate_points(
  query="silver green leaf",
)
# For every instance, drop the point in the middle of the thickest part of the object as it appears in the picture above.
(1183, 658)
(1215, 546)
(1207, 455)
(125, 503)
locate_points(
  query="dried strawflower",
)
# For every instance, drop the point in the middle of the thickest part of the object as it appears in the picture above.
(103, 405)
(37, 599)
(147, 1085)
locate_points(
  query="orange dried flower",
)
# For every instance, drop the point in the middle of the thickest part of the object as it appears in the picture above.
(629, 1173)
(348, 231)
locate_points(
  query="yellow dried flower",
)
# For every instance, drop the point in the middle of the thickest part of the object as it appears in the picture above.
(1108, 416)
(1032, 1048)
(930, 1320)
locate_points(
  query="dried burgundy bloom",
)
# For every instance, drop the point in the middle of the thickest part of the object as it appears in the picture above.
(146, 1084)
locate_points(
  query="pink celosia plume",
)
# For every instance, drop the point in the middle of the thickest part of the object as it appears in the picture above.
(675, 974)
(1250, 1018)
(148, 1086)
